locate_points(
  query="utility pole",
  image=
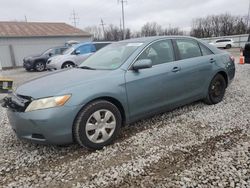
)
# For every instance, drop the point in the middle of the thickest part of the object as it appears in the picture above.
(123, 20)
(248, 15)
(25, 18)
(74, 18)
(103, 30)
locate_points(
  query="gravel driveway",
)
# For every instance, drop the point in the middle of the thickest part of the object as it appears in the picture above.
(193, 146)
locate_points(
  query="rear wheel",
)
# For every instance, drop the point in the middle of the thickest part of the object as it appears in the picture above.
(228, 46)
(67, 65)
(97, 125)
(40, 66)
(216, 90)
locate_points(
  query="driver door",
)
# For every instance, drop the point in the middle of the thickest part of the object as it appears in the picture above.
(146, 88)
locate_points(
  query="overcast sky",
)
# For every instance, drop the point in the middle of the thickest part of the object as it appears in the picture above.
(137, 12)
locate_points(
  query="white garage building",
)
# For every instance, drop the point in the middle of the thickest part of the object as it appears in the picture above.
(20, 39)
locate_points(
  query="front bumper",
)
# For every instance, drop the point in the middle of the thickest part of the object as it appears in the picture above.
(52, 66)
(28, 64)
(48, 126)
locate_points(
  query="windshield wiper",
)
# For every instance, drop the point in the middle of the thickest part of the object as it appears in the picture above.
(86, 67)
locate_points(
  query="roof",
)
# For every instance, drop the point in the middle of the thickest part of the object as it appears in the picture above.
(39, 29)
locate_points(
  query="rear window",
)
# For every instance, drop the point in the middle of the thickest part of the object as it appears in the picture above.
(188, 48)
(205, 51)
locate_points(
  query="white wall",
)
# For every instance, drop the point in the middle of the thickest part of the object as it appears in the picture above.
(23, 47)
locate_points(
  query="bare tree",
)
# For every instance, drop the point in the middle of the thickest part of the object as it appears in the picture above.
(96, 32)
(219, 25)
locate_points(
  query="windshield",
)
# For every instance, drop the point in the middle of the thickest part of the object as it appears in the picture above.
(112, 56)
(68, 51)
(47, 51)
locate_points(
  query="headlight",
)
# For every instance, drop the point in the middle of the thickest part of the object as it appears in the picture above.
(49, 102)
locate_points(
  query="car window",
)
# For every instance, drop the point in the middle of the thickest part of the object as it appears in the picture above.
(112, 56)
(98, 46)
(159, 52)
(62, 50)
(223, 40)
(205, 51)
(188, 48)
(58, 51)
(84, 49)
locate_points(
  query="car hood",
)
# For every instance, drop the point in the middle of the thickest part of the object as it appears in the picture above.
(58, 82)
(33, 56)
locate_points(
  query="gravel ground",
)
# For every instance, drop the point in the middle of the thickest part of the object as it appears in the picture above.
(193, 146)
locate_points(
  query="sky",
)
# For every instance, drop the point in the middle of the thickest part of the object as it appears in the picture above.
(174, 13)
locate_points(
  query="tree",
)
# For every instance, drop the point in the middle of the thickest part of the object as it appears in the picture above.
(219, 25)
(96, 32)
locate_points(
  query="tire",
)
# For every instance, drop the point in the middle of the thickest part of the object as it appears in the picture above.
(40, 66)
(228, 46)
(68, 65)
(91, 130)
(216, 90)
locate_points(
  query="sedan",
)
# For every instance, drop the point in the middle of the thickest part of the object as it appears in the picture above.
(120, 84)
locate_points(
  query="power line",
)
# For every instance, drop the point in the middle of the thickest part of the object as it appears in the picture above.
(74, 17)
(123, 20)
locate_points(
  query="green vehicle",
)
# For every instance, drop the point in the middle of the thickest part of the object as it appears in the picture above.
(121, 83)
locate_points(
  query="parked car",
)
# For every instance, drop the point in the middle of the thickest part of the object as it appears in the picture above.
(246, 52)
(121, 83)
(38, 62)
(223, 43)
(75, 55)
(71, 43)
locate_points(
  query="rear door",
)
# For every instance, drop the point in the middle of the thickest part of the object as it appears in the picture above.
(194, 69)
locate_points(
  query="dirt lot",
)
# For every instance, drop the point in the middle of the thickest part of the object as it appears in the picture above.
(193, 146)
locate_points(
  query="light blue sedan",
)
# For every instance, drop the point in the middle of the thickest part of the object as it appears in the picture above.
(122, 83)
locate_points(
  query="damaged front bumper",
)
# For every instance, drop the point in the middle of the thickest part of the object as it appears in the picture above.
(46, 126)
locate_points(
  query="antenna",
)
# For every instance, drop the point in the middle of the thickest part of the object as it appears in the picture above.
(74, 17)
(123, 22)
(103, 30)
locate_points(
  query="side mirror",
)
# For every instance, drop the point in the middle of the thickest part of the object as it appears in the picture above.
(142, 64)
(50, 54)
(77, 52)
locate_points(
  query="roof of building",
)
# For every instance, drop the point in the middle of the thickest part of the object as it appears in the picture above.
(39, 29)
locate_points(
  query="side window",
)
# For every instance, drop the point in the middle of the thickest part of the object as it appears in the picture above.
(159, 52)
(62, 50)
(86, 49)
(98, 46)
(188, 48)
(205, 50)
(57, 51)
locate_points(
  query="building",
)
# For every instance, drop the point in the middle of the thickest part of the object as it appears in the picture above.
(21, 39)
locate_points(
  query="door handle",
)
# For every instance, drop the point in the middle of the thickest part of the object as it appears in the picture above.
(176, 69)
(212, 60)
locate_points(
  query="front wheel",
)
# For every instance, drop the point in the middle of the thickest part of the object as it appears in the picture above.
(40, 66)
(67, 65)
(97, 125)
(216, 90)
